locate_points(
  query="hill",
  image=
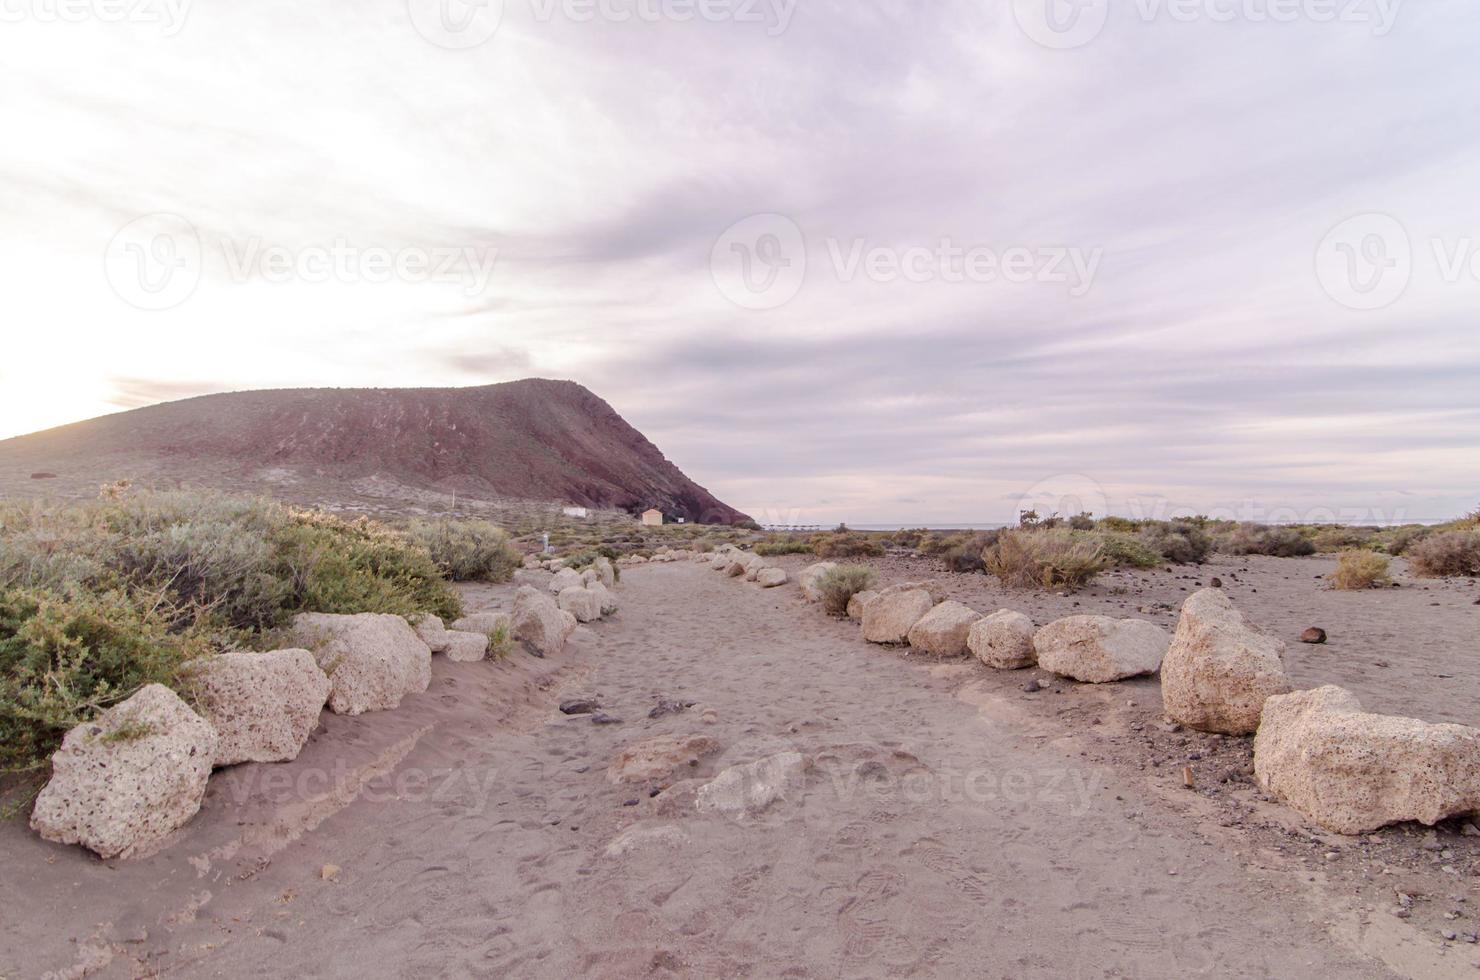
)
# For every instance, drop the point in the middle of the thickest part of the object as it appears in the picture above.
(533, 440)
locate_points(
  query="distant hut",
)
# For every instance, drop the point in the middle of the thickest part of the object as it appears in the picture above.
(652, 517)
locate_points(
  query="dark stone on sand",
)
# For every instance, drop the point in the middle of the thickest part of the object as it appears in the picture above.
(1315, 635)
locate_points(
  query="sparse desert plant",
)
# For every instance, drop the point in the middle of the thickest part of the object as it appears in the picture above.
(1082, 522)
(468, 550)
(1046, 558)
(1265, 539)
(1360, 570)
(500, 641)
(789, 545)
(847, 544)
(1401, 540)
(1122, 524)
(1128, 551)
(966, 555)
(1179, 542)
(1450, 553)
(839, 585)
(1332, 540)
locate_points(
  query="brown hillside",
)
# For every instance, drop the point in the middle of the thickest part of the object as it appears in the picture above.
(532, 440)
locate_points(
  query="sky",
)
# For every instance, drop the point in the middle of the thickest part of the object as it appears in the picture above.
(882, 262)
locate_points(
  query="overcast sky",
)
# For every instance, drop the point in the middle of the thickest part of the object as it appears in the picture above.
(839, 259)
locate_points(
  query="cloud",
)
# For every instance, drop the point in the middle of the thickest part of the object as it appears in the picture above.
(1205, 365)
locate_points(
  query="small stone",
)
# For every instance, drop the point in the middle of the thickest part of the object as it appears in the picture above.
(631, 803)
(1314, 636)
(602, 718)
(329, 872)
(579, 706)
(1450, 935)
(1033, 686)
(1217, 583)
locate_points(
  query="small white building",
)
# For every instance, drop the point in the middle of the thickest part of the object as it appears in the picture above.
(576, 512)
(652, 517)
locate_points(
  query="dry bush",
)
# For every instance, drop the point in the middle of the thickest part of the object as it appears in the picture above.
(1128, 551)
(1265, 539)
(839, 585)
(963, 553)
(468, 550)
(784, 545)
(1360, 570)
(1049, 559)
(1179, 542)
(1332, 540)
(847, 544)
(1449, 553)
(1402, 540)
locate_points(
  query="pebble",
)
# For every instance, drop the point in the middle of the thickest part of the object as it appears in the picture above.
(602, 718)
(579, 706)
(1033, 687)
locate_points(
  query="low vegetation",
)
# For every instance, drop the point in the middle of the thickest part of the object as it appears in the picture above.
(468, 550)
(839, 585)
(1276, 541)
(1049, 558)
(1360, 570)
(98, 599)
(1447, 553)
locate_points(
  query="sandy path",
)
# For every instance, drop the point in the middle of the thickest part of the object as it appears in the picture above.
(940, 834)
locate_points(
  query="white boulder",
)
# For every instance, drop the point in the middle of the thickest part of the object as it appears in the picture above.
(771, 578)
(372, 660)
(1003, 641)
(466, 648)
(566, 578)
(890, 616)
(540, 623)
(1101, 650)
(858, 601)
(581, 603)
(1220, 669)
(1352, 772)
(433, 633)
(488, 623)
(263, 706)
(944, 630)
(127, 780)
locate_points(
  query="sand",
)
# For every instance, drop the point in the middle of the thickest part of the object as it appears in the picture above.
(952, 824)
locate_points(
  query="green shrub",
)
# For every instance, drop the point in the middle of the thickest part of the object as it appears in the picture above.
(1128, 551)
(847, 544)
(1045, 558)
(1265, 539)
(335, 566)
(1450, 553)
(839, 585)
(1082, 522)
(66, 655)
(467, 550)
(1122, 524)
(1179, 542)
(1360, 570)
(784, 546)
